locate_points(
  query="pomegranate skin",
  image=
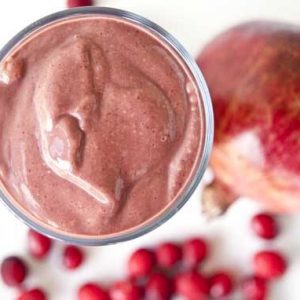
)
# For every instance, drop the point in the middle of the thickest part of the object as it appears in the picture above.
(253, 73)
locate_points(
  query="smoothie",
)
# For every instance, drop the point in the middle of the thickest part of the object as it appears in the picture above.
(100, 125)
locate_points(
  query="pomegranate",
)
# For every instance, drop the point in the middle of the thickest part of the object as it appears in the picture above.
(253, 73)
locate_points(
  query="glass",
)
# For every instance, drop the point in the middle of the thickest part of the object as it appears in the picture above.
(206, 108)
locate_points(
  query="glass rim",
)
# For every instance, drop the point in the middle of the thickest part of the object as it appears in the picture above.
(152, 223)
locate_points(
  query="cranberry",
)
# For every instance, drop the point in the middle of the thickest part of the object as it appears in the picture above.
(72, 257)
(221, 285)
(254, 288)
(168, 255)
(126, 290)
(141, 263)
(265, 226)
(77, 3)
(192, 286)
(159, 287)
(34, 294)
(194, 252)
(92, 291)
(13, 271)
(38, 244)
(269, 264)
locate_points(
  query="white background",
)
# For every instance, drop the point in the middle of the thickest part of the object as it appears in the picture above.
(193, 22)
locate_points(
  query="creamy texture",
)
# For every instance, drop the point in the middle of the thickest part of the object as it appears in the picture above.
(100, 125)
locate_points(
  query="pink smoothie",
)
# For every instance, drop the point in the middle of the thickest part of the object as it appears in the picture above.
(100, 125)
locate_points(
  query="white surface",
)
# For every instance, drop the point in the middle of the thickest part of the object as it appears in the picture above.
(193, 22)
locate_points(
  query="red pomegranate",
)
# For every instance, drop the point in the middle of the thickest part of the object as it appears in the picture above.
(253, 73)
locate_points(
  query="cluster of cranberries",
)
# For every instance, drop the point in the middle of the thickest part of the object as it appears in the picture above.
(160, 273)
(14, 270)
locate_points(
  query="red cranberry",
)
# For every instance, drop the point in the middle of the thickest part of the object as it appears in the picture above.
(192, 286)
(194, 252)
(254, 288)
(72, 257)
(92, 291)
(34, 294)
(38, 244)
(221, 285)
(265, 226)
(126, 290)
(168, 255)
(141, 263)
(269, 264)
(77, 3)
(13, 271)
(159, 287)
